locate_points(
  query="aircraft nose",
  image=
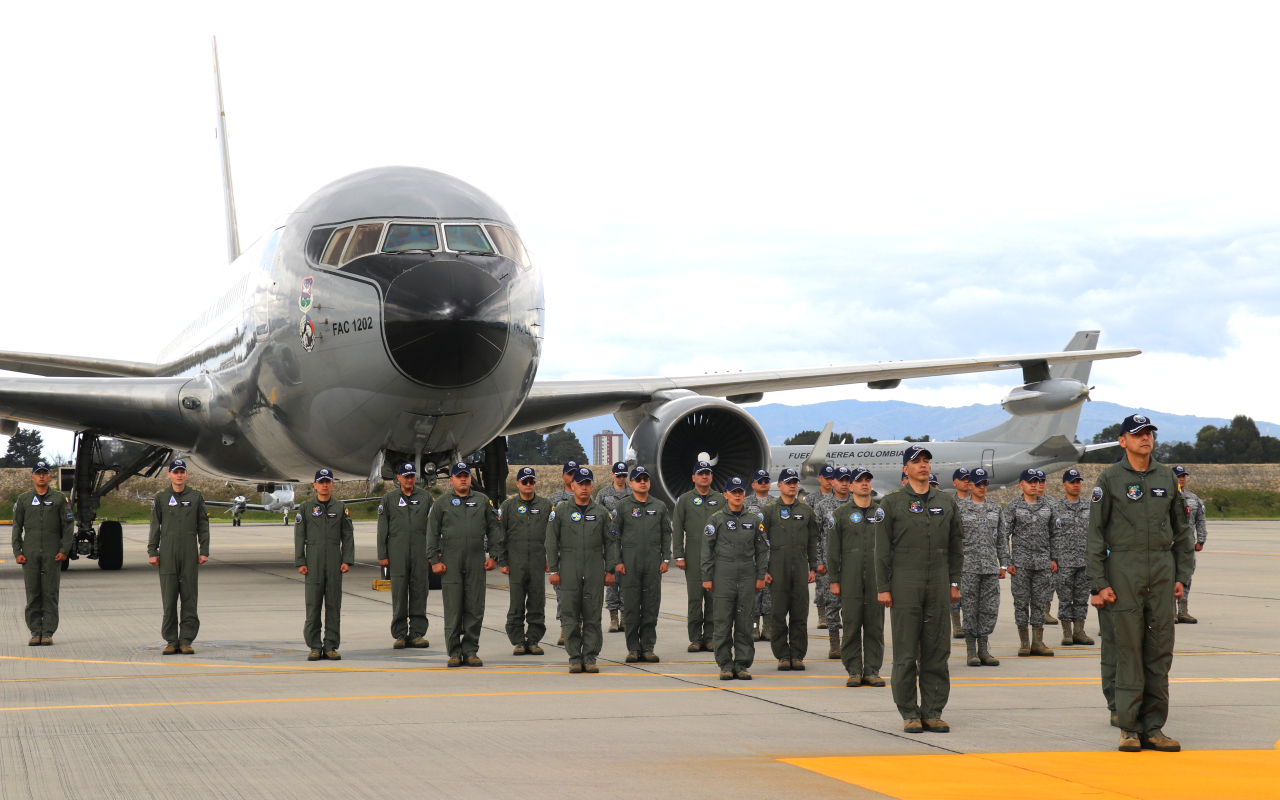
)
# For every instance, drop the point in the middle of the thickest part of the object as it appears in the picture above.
(446, 323)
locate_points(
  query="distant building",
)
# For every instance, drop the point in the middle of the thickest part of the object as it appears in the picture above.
(606, 447)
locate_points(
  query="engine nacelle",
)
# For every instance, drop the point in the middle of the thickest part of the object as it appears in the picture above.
(672, 438)
(1045, 397)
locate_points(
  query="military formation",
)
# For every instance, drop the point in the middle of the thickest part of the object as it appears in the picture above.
(748, 558)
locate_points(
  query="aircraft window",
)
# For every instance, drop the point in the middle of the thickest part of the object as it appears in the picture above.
(364, 241)
(405, 238)
(334, 251)
(524, 259)
(467, 239)
(499, 237)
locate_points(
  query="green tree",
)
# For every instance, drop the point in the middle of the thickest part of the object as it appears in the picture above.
(24, 448)
(924, 438)
(811, 437)
(527, 448)
(564, 446)
(867, 440)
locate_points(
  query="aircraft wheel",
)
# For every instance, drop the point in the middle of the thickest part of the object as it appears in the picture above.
(110, 545)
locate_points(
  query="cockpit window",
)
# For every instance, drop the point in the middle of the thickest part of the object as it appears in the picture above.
(333, 252)
(499, 237)
(467, 239)
(364, 241)
(408, 238)
(524, 259)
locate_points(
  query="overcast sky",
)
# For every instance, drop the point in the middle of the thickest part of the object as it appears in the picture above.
(705, 187)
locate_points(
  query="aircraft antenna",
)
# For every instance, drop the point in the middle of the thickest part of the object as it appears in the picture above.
(224, 149)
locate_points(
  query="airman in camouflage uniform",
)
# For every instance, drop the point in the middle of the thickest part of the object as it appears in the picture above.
(1029, 526)
(960, 482)
(555, 499)
(840, 488)
(609, 497)
(764, 598)
(1072, 581)
(1195, 516)
(986, 559)
(823, 504)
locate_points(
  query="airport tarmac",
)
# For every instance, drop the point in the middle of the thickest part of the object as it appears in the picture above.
(102, 714)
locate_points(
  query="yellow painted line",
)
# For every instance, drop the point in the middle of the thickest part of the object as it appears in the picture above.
(1236, 774)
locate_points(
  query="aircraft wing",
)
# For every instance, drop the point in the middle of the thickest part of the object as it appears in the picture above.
(52, 366)
(362, 500)
(229, 504)
(139, 408)
(552, 403)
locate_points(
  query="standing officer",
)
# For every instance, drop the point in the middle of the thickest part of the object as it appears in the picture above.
(851, 548)
(824, 506)
(178, 544)
(756, 501)
(456, 530)
(1196, 518)
(689, 519)
(644, 543)
(522, 554)
(1042, 485)
(1028, 524)
(43, 533)
(735, 558)
(986, 559)
(324, 548)
(792, 534)
(582, 549)
(1140, 552)
(556, 498)
(1072, 514)
(609, 497)
(919, 555)
(841, 487)
(402, 548)
(960, 481)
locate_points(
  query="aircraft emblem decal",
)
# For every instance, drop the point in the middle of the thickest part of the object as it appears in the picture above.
(522, 509)
(916, 507)
(456, 501)
(307, 333)
(304, 300)
(575, 516)
(1133, 491)
(855, 517)
(697, 501)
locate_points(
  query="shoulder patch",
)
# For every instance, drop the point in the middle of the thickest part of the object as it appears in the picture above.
(552, 515)
(297, 517)
(879, 517)
(379, 508)
(709, 530)
(1097, 493)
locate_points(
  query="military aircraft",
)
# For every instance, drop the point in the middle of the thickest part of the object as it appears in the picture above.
(396, 315)
(1040, 434)
(279, 501)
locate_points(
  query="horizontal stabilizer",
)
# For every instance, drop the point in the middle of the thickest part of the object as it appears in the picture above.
(1089, 448)
(1056, 447)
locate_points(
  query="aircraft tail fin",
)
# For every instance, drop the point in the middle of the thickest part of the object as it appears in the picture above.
(228, 193)
(818, 455)
(1043, 427)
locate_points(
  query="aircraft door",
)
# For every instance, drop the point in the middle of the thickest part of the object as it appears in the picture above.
(988, 462)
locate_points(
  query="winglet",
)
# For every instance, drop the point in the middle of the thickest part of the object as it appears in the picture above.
(818, 455)
(228, 194)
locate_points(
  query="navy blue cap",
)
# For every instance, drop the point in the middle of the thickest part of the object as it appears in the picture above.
(961, 474)
(979, 476)
(1135, 423)
(827, 471)
(760, 475)
(788, 475)
(1040, 474)
(842, 473)
(735, 485)
(322, 474)
(406, 469)
(569, 467)
(639, 472)
(583, 475)
(933, 478)
(177, 463)
(619, 468)
(525, 473)
(1072, 475)
(1178, 471)
(43, 467)
(1028, 475)
(915, 451)
(860, 473)
(702, 466)
(461, 468)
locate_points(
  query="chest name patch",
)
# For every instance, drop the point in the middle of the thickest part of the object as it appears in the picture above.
(935, 512)
(746, 526)
(186, 503)
(591, 518)
(471, 504)
(651, 511)
(1157, 492)
(333, 516)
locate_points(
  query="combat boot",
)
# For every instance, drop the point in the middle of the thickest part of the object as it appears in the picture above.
(694, 647)
(622, 620)
(534, 650)
(1049, 619)
(333, 655)
(398, 644)
(560, 641)
(822, 618)
(957, 630)
(1158, 741)
(1115, 720)
(971, 644)
(421, 641)
(1184, 616)
(912, 726)
(169, 650)
(1024, 637)
(454, 661)
(936, 725)
(1080, 637)
(613, 620)
(726, 674)
(314, 655)
(519, 650)
(854, 680)
(984, 655)
(1129, 742)
(34, 641)
(835, 646)
(575, 667)
(474, 661)
(185, 648)
(1037, 643)
(765, 628)
(590, 668)
(744, 675)
(1067, 639)
(650, 657)
(873, 679)
(632, 657)
(784, 665)
(797, 664)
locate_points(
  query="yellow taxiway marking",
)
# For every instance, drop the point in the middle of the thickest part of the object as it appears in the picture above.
(1237, 774)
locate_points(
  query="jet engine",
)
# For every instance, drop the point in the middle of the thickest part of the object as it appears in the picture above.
(676, 435)
(1045, 397)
